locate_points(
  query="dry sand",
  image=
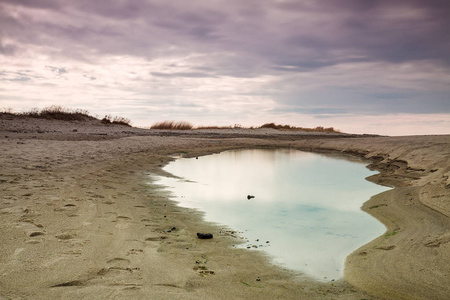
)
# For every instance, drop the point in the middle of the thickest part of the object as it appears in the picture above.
(80, 219)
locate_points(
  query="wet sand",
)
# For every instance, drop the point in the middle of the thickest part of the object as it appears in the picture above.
(80, 219)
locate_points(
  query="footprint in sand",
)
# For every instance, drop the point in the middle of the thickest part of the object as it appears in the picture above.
(66, 236)
(119, 269)
(31, 229)
(119, 260)
(123, 222)
(155, 239)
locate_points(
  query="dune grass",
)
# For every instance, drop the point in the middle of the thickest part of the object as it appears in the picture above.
(56, 112)
(172, 125)
(108, 119)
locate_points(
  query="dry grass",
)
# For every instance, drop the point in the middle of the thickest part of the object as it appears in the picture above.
(56, 112)
(288, 127)
(108, 119)
(183, 125)
(172, 125)
(61, 113)
(222, 127)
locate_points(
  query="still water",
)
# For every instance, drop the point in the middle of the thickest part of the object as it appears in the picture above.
(306, 212)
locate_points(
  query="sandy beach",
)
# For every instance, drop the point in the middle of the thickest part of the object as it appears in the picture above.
(80, 218)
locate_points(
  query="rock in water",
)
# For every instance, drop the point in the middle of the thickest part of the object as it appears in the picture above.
(204, 235)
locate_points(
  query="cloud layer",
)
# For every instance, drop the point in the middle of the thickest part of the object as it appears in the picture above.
(229, 61)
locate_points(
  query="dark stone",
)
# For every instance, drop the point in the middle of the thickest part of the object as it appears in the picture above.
(204, 235)
(250, 197)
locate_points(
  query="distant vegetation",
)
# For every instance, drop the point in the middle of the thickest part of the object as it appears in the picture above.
(172, 125)
(288, 127)
(56, 112)
(108, 119)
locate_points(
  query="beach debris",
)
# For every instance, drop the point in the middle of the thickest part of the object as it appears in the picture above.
(250, 197)
(204, 235)
(206, 272)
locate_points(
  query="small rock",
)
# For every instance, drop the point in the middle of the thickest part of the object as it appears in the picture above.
(204, 235)
(250, 197)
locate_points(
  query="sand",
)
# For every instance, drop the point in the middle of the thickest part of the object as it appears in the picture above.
(80, 217)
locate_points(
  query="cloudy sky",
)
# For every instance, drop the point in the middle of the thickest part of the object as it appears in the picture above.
(362, 66)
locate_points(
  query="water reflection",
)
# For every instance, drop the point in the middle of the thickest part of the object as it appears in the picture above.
(306, 211)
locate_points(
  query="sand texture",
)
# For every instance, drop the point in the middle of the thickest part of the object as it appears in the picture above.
(81, 219)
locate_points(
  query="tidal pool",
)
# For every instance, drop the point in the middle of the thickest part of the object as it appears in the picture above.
(306, 212)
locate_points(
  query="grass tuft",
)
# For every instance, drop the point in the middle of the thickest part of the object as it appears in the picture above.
(172, 125)
(108, 119)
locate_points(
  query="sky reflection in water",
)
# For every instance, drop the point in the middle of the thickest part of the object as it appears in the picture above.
(306, 205)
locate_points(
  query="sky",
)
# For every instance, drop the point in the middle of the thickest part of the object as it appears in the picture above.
(360, 66)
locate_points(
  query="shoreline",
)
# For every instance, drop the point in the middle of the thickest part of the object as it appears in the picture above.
(79, 222)
(244, 235)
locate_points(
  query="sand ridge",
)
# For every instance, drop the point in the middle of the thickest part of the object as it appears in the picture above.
(81, 219)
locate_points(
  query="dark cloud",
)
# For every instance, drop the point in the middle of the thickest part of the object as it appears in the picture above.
(375, 30)
(41, 4)
(337, 100)
(306, 35)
